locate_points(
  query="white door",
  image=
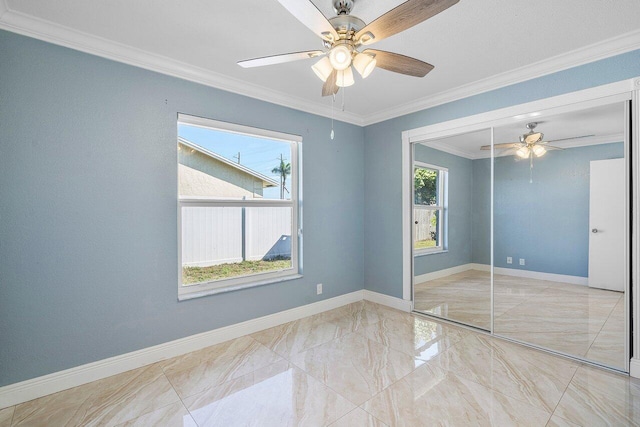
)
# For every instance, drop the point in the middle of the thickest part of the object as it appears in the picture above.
(607, 224)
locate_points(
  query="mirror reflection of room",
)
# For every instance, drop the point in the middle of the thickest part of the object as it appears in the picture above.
(451, 228)
(560, 234)
(560, 248)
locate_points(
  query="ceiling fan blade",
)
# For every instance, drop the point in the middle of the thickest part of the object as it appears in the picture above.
(566, 139)
(400, 18)
(330, 86)
(279, 59)
(502, 146)
(551, 147)
(399, 63)
(310, 15)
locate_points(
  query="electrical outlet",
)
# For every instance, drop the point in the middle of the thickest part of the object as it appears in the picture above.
(521, 261)
(509, 260)
(319, 288)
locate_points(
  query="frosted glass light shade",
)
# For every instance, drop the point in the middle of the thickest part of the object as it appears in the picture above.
(364, 64)
(340, 57)
(322, 68)
(523, 152)
(345, 78)
(539, 150)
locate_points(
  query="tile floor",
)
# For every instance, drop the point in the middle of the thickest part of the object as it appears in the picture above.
(359, 365)
(572, 319)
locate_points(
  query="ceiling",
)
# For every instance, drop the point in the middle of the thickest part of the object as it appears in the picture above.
(606, 124)
(476, 45)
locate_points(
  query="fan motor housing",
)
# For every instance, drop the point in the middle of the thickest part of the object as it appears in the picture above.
(344, 24)
(343, 7)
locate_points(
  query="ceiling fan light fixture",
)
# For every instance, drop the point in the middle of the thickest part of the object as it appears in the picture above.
(523, 152)
(345, 78)
(532, 138)
(364, 64)
(340, 57)
(322, 68)
(539, 150)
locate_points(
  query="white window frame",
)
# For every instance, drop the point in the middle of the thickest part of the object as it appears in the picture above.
(442, 197)
(258, 279)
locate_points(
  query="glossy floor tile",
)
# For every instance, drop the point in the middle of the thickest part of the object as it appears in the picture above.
(359, 418)
(356, 367)
(433, 396)
(6, 415)
(361, 365)
(278, 395)
(174, 415)
(194, 372)
(107, 402)
(571, 319)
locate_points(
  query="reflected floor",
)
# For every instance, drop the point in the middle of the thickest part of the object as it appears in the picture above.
(572, 319)
(359, 365)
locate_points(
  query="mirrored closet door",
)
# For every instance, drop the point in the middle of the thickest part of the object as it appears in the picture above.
(451, 228)
(561, 233)
(522, 229)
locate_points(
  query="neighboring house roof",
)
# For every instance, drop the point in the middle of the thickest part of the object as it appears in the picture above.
(268, 182)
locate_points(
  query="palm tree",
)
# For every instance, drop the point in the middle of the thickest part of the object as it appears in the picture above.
(283, 170)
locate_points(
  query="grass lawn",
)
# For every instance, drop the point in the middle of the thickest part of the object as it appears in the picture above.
(225, 271)
(421, 244)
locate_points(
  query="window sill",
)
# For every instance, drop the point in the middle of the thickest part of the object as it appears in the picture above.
(185, 294)
(424, 253)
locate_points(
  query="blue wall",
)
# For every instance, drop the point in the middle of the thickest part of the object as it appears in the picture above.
(459, 211)
(88, 232)
(481, 226)
(546, 222)
(383, 156)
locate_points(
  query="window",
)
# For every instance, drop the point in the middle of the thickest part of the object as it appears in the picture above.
(429, 208)
(238, 194)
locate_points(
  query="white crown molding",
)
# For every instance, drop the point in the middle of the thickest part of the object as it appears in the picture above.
(450, 149)
(607, 48)
(27, 25)
(582, 142)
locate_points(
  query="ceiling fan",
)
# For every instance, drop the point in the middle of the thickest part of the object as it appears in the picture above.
(531, 143)
(343, 35)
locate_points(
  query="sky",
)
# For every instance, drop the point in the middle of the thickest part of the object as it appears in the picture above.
(259, 154)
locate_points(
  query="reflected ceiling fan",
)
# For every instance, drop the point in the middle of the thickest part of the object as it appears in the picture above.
(343, 35)
(531, 145)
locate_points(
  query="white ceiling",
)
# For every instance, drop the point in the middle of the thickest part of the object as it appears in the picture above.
(475, 45)
(605, 123)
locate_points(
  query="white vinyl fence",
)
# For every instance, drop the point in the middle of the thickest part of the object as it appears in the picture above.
(425, 229)
(218, 235)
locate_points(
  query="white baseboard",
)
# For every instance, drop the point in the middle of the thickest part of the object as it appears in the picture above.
(393, 302)
(551, 277)
(443, 273)
(24, 391)
(634, 367)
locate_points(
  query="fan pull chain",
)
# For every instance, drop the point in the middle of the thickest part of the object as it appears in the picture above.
(344, 89)
(531, 168)
(333, 101)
